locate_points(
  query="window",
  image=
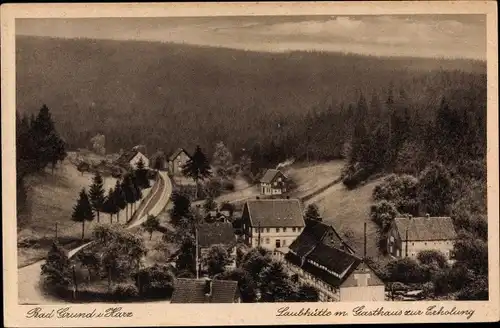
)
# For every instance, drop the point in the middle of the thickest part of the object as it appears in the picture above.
(293, 229)
(278, 243)
(268, 230)
(413, 244)
(267, 241)
(277, 229)
(284, 229)
(256, 230)
(261, 229)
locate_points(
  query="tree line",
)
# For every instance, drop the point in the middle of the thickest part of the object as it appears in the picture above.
(38, 145)
(124, 196)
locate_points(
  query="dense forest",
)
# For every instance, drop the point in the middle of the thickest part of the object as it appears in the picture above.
(273, 106)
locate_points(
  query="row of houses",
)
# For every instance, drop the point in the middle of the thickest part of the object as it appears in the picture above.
(314, 252)
(173, 163)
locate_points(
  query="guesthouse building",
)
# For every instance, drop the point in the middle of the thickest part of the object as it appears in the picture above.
(273, 182)
(272, 223)
(410, 235)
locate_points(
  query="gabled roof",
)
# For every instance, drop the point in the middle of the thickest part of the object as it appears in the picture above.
(127, 156)
(270, 175)
(177, 153)
(327, 263)
(193, 291)
(425, 228)
(363, 267)
(274, 213)
(316, 233)
(215, 233)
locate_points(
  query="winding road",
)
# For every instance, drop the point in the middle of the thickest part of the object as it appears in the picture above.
(29, 283)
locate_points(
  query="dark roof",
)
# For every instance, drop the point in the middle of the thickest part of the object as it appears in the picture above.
(346, 262)
(332, 258)
(216, 233)
(270, 175)
(193, 291)
(274, 213)
(425, 228)
(177, 153)
(126, 157)
(315, 233)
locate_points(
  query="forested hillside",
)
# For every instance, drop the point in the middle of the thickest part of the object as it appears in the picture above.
(296, 104)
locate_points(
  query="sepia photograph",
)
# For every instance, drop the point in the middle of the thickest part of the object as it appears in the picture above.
(312, 159)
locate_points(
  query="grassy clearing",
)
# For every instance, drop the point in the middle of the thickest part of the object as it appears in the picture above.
(311, 177)
(51, 199)
(347, 210)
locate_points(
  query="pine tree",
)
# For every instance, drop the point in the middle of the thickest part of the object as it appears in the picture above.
(119, 199)
(197, 168)
(150, 225)
(96, 194)
(222, 160)
(109, 205)
(83, 210)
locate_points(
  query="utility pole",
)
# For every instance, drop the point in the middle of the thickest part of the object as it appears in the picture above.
(75, 287)
(196, 244)
(364, 234)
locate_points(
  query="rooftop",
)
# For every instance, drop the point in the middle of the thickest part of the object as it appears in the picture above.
(274, 213)
(270, 175)
(425, 228)
(204, 291)
(216, 233)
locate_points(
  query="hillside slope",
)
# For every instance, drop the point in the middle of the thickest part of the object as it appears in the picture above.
(51, 199)
(170, 95)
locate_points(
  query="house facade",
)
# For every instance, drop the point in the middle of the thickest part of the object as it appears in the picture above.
(410, 235)
(131, 159)
(177, 160)
(273, 183)
(321, 258)
(272, 223)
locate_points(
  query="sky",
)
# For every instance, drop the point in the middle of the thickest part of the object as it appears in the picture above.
(449, 36)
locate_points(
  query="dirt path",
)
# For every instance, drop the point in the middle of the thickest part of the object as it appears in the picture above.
(29, 291)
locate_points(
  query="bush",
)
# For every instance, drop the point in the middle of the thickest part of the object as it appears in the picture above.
(432, 257)
(228, 185)
(407, 271)
(155, 282)
(383, 213)
(124, 291)
(354, 178)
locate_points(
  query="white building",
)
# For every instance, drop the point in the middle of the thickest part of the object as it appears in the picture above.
(273, 183)
(319, 257)
(272, 223)
(132, 158)
(410, 235)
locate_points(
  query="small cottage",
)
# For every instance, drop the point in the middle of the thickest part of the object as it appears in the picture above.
(131, 159)
(177, 160)
(205, 291)
(273, 182)
(409, 235)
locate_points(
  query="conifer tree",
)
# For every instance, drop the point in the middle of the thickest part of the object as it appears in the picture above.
(197, 168)
(56, 271)
(83, 210)
(109, 205)
(96, 194)
(119, 199)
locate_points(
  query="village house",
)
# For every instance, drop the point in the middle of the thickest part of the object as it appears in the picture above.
(321, 258)
(131, 159)
(409, 235)
(272, 223)
(273, 182)
(209, 234)
(177, 160)
(205, 291)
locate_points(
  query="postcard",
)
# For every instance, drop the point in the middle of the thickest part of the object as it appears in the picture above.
(187, 164)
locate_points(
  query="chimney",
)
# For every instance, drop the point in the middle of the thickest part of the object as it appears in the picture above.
(208, 289)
